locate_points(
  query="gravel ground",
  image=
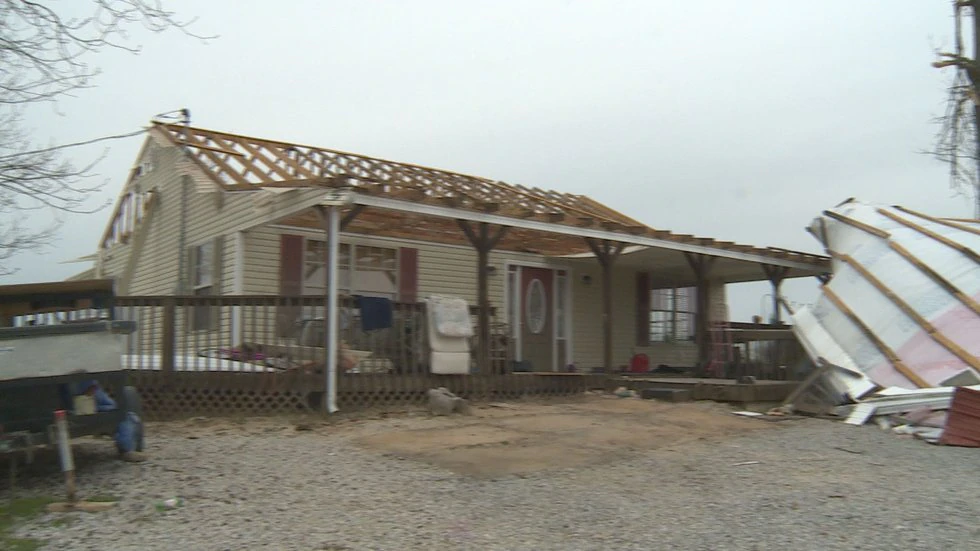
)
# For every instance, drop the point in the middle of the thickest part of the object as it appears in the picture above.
(263, 484)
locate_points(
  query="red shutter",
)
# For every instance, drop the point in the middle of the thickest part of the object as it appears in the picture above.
(642, 309)
(408, 274)
(290, 279)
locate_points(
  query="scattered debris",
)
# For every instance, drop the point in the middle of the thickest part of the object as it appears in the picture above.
(624, 392)
(858, 452)
(667, 394)
(749, 413)
(899, 310)
(780, 411)
(745, 463)
(893, 334)
(929, 434)
(169, 504)
(963, 420)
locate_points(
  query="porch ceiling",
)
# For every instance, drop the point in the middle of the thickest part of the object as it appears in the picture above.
(667, 266)
(419, 227)
(671, 268)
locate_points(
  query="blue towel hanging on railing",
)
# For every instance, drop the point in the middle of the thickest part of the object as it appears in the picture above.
(376, 312)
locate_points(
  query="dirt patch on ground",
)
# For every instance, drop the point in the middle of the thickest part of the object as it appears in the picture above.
(524, 438)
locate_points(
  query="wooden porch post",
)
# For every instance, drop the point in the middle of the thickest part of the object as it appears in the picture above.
(169, 338)
(483, 242)
(606, 252)
(701, 265)
(776, 275)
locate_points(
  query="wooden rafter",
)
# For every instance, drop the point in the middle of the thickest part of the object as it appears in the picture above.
(885, 350)
(857, 224)
(239, 162)
(951, 222)
(961, 248)
(906, 308)
(936, 277)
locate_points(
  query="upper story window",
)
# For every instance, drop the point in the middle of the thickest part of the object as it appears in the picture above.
(205, 278)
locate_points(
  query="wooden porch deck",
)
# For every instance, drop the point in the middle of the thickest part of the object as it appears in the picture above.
(719, 390)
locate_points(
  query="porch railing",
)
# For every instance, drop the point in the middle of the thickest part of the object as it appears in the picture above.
(275, 334)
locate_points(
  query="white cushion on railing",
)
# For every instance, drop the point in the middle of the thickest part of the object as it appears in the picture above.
(450, 316)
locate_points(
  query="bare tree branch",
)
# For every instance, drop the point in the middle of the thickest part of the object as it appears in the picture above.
(958, 140)
(44, 56)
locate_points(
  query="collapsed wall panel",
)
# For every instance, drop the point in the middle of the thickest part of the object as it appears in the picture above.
(902, 307)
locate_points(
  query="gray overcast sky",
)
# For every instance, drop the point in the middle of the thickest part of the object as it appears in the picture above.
(735, 120)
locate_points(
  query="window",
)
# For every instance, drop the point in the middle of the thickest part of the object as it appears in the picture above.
(373, 271)
(673, 312)
(203, 265)
(204, 277)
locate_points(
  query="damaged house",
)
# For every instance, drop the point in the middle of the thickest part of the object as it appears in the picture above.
(558, 282)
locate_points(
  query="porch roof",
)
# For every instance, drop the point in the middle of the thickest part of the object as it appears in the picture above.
(670, 268)
(412, 201)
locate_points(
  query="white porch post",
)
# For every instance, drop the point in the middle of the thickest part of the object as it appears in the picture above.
(332, 344)
(329, 209)
(238, 288)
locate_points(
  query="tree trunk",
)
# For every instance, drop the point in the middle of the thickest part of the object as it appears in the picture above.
(976, 109)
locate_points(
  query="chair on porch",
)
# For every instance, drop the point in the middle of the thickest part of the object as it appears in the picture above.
(639, 363)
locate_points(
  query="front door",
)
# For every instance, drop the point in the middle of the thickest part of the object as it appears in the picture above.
(537, 318)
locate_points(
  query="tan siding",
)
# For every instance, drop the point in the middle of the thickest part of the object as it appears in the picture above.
(208, 215)
(587, 331)
(587, 321)
(443, 269)
(155, 268)
(114, 261)
(262, 261)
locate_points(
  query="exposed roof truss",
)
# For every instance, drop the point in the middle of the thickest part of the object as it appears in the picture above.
(554, 223)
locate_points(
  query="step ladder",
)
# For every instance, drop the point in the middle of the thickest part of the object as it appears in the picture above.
(722, 349)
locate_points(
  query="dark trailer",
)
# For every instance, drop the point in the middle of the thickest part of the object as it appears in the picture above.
(60, 349)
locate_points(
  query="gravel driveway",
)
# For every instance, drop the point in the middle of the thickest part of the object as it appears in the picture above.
(309, 485)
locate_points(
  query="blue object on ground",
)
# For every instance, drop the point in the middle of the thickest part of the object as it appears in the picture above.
(129, 434)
